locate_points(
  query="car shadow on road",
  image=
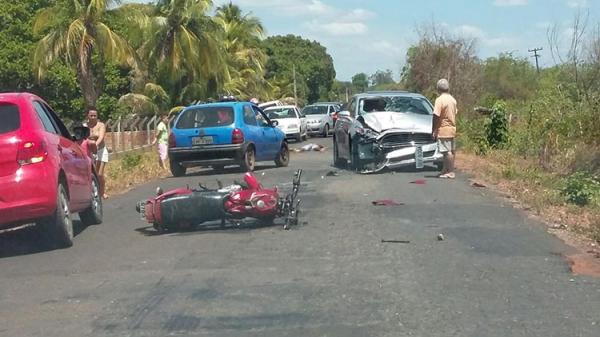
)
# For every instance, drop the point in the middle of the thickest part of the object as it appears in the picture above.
(29, 240)
(213, 227)
(227, 170)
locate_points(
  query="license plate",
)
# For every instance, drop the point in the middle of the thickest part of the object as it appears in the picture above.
(204, 140)
(419, 157)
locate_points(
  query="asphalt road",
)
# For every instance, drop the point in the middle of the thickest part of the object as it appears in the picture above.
(495, 274)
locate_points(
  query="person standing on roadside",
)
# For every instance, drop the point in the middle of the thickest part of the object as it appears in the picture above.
(444, 127)
(96, 139)
(162, 138)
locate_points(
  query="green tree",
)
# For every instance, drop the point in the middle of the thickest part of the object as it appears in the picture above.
(245, 59)
(360, 82)
(508, 78)
(17, 43)
(75, 33)
(179, 47)
(381, 78)
(315, 72)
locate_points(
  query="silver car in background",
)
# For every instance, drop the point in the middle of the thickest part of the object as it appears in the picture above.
(385, 129)
(319, 117)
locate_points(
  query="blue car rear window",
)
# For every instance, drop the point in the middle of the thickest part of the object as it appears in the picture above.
(10, 117)
(203, 117)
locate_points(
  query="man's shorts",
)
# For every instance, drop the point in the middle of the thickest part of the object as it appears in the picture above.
(446, 145)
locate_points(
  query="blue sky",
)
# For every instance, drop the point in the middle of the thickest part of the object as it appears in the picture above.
(367, 35)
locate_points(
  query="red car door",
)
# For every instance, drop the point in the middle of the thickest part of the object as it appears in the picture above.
(73, 161)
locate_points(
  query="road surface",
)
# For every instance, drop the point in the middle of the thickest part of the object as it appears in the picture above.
(495, 274)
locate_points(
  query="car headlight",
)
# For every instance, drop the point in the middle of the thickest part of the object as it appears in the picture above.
(292, 126)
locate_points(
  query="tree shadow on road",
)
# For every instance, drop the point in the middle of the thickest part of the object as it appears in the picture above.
(227, 170)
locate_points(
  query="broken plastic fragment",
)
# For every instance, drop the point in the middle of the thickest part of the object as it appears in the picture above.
(419, 182)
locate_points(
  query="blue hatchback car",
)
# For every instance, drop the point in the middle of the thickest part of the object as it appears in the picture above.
(225, 133)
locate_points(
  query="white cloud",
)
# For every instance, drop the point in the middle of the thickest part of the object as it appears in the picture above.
(577, 3)
(357, 14)
(337, 28)
(506, 3)
(319, 8)
(469, 31)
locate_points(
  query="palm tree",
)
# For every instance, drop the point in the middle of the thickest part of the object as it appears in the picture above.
(75, 33)
(179, 46)
(245, 59)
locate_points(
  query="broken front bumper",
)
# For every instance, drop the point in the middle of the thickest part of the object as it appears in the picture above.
(372, 156)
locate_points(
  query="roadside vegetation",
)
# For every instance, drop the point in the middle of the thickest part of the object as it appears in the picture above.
(126, 58)
(536, 135)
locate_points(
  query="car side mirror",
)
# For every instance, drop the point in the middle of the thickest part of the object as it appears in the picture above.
(80, 133)
(274, 123)
(344, 113)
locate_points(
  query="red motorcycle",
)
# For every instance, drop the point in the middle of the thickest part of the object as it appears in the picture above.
(184, 207)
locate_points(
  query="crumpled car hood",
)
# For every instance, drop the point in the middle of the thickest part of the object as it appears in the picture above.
(386, 120)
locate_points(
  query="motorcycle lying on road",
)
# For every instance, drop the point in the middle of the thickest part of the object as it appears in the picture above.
(184, 207)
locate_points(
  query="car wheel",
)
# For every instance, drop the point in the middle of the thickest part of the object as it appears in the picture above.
(283, 158)
(305, 135)
(177, 169)
(337, 161)
(299, 137)
(249, 160)
(93, 214)
(355, 160)
(326, 130)
(58, 228)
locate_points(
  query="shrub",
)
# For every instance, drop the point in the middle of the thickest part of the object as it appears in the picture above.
(131, 160)
(580, 189)
(496, 126)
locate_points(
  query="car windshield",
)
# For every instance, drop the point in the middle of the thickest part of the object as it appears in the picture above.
(315, 110)
(203, 117)
(11, 120)
(396, 104)
(280, 113)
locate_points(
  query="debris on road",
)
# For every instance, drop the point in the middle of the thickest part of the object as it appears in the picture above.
(387, 202)
(332, 174)
(419, 182)
(310, 147)
(394, 241)
(440, 237)
(479, 184)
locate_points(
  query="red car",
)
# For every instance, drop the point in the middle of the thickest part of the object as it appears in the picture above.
(45, 175)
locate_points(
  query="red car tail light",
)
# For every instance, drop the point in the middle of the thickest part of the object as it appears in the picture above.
(31, 152)
(237, 136)
(172, 141)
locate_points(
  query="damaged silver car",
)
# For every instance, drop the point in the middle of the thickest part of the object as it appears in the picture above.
(388, 129)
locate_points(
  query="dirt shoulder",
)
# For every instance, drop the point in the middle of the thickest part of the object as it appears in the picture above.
(537, 194)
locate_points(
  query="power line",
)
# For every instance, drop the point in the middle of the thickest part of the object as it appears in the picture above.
(537, 56)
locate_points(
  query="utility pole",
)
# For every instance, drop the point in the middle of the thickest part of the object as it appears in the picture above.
(295, 95)
(537, 56)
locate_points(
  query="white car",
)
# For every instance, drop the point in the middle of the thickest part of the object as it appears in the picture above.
(319, 117)
(290, 120)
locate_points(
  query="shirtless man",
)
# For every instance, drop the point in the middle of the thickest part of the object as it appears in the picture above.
(97, 133)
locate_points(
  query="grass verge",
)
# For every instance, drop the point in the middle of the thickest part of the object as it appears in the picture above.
(131, 169)
(533, 189)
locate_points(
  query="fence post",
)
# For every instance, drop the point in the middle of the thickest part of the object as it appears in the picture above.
(118, 147)
(150, 122)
